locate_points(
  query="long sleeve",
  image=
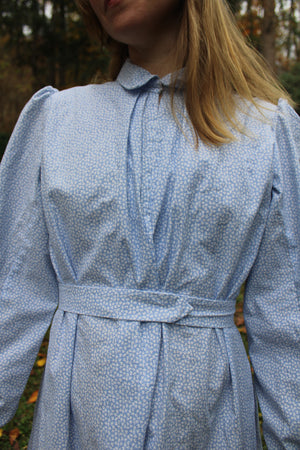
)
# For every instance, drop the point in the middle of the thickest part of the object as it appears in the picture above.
(272, 305)
(28, 287)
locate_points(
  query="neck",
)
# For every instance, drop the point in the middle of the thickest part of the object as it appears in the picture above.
(158, 57)
(157, 66)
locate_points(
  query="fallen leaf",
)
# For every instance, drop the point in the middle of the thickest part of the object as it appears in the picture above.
(13, 435)
(239, 308)
(239, 321)
(242, 330)
(16, 446)
(33, 397)
(41, 362)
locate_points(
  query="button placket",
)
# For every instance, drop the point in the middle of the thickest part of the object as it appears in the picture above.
(153, 135)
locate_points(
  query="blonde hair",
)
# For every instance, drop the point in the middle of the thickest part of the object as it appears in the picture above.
(220, 66)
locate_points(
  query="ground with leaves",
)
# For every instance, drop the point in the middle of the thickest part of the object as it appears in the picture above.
(16, 434)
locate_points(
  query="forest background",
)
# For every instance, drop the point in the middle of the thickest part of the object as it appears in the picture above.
(44, 42)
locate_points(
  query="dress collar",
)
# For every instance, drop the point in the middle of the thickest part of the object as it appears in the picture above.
(133, 77)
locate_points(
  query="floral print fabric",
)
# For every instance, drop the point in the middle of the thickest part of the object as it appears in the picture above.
(135, 245)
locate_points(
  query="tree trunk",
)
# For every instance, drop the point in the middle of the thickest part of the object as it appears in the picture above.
(292, 30)
(269, 32)
(62, 44)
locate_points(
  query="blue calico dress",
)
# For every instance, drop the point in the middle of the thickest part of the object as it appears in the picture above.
(135, 245)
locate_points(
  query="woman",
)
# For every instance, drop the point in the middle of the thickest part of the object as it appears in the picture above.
(139, 207)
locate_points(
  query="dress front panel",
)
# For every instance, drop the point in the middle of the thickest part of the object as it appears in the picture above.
(143, 242)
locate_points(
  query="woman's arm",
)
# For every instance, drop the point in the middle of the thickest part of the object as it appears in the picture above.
(28, 287)
(272, 295)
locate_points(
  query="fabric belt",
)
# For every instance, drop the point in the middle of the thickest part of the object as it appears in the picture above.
(146, 306)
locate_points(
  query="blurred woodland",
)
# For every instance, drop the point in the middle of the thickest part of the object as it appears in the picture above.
(44, 42)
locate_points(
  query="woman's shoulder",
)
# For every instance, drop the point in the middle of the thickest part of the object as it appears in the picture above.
(264, 119)
(89, 92)
(52, 106)
(77, 96)
(286, 118)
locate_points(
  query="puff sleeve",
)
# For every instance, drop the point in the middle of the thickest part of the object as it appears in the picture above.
(28, 286)
(272, 294)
